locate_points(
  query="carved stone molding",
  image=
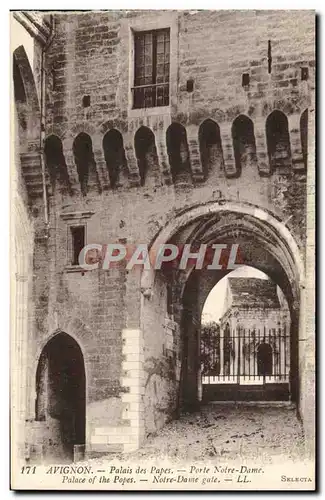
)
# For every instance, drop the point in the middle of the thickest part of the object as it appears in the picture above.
(77, 215)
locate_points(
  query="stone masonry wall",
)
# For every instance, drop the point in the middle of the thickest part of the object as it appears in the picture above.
(89, 56)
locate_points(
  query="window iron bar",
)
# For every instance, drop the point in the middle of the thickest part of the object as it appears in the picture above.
(149, 85)
(244, 357)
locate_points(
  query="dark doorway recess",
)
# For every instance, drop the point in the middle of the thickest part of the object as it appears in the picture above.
(60, 386)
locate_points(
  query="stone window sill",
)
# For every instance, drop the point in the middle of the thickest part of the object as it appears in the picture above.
(141, 112)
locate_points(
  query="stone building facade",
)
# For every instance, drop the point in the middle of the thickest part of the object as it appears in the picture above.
(151, 127)
(254, 303)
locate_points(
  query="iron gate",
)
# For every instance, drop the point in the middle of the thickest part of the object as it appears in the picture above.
(246, 364)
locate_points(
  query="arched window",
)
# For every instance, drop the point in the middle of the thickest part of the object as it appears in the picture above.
(114, 155)
(145, 150)
(244, 142)
(278, 140)
(55, 160)
(210, 146)
(178, 153)
(264, 359)
(304, 135)
(84, 158)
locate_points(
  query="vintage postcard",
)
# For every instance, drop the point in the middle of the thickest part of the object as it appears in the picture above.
(163, 250)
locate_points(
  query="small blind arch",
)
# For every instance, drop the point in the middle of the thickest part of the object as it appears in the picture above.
(278, 140)
(114, 155)
(84, 158)
(210, 146)
(145, 150)
(243, 142)
(178, 153)
(55, 160)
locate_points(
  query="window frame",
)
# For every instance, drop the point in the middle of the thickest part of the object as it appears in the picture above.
(154, 54)
(73, 219)
(70, 253)
(150, 22)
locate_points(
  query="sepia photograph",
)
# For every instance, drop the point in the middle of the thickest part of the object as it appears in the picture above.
(162, 250)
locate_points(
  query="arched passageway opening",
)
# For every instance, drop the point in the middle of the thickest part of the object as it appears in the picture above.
(252, 318)
(262, 245)
(61, 398)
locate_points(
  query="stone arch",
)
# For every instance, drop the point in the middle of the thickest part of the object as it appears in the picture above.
(278, 140)
(61, 395)
(114, 156)
(178, 153)
(210, 146)
(84, 160)
(25, 94)
(243, 143)
(86, 127)
(117, 124)
(27, 78)
(259, 249)
(19, 88)
(145, 150)
(266, 244)
(55, 161)
(304, 135)
(208, 209)
(21, 260)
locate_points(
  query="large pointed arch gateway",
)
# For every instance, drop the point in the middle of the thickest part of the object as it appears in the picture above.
(265, 243)
(61, 398)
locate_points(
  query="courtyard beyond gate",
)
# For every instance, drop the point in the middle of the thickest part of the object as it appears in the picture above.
(247, 365)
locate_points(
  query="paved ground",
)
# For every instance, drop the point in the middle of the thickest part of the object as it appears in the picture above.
(231, 432)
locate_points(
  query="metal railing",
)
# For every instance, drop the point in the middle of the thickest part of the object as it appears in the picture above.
(247, 357)
(149, 96)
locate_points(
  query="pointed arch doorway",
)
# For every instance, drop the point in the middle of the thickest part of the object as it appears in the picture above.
(264, 243)
(60, 397)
